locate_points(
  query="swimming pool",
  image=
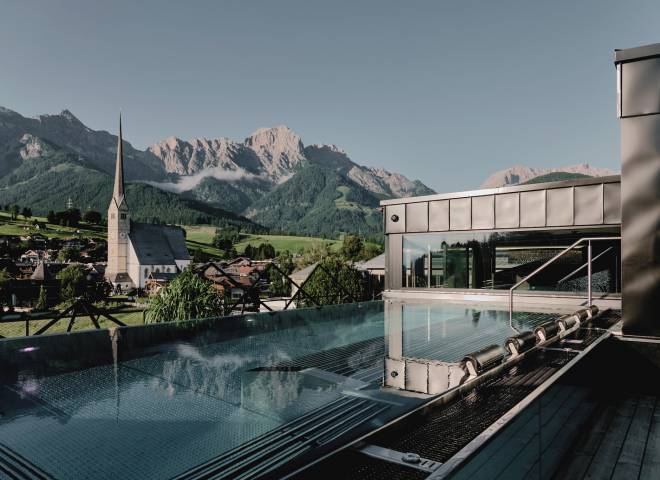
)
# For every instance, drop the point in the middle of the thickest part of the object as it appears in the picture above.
(236, 395)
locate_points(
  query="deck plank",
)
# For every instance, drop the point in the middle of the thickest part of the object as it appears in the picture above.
(576, 464)
(629, 463)
(651, 461)
(604, 461)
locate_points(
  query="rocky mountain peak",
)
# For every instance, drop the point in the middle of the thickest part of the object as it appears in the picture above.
(67, 115)
(279, 149)
(33, 147)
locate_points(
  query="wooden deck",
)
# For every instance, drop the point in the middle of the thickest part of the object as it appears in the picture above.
(622, 441)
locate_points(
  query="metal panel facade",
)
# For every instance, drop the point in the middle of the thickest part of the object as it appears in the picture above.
(532, 209)
(559, 206)
(439, 215)
(640, 197)
(564, 204)
(588, 202)
(460, 213)
(639, 95)
(543, 206)
(483, 212)
(395, 218)
(393, 277)
(507, 210)
(417, 217)
(612, 202)
(638, 78)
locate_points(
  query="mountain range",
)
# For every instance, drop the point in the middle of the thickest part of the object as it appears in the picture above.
(522, 174)
(270, 179)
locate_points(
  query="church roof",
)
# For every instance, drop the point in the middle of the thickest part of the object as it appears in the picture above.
(158, 244)
(118, 192)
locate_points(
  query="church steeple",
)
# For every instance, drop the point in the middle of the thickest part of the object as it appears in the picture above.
(118, 192)
(119, 224)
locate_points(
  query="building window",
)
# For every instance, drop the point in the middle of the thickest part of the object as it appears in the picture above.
(112, 216)
(498, 260)
(146, 272)
(123, 216)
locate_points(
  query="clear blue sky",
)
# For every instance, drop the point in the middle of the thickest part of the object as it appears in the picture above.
(443, 91)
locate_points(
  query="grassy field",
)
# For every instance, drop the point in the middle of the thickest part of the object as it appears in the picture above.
(17, 329)
(198, 237)
(24, 227)
(201, 236)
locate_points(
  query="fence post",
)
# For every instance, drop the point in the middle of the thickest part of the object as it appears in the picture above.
(589, 293)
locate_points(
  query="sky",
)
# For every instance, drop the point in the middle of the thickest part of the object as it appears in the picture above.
(447, 92)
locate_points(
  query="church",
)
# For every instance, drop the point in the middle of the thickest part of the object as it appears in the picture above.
(135, 250)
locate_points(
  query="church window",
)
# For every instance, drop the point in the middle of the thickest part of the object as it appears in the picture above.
(123, 216)
(112, 215)
(146, 272)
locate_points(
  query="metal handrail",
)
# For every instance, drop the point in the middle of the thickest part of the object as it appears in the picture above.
(552, 260)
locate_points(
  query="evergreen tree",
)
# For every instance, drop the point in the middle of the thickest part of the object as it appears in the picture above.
(351, 247)
(93, 217)
(5, 287)
(13, 210)
(42, 300)
(27, 213)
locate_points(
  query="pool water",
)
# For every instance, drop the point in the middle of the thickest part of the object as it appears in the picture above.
(155, 401)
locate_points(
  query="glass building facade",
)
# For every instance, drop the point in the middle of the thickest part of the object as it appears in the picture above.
(499, 259)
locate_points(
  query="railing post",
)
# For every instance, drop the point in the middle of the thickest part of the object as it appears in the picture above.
(589, 273)
(511, 308)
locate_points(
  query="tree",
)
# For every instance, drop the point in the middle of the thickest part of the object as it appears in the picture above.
(69, 254)
(200, 256)
(351, 247)
(73, 283)
(331, 282)
(51, 217)
(93, 217)
(27, 213)
(13, 210)
(5, 287)
(371, 250)
(316, 252)
(265, 251)
(188, 296)
(279, 284)
(230, 253)
(42, 300)
(226, 237)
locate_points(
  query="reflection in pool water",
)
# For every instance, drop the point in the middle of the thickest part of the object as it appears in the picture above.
(154, 401)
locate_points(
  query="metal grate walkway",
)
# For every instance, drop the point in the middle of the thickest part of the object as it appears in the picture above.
(264, 455)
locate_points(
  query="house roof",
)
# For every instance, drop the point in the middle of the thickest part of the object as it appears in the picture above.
(41, 273)
(376, 263)
(121, 278)
(158, 244)
(301, 275)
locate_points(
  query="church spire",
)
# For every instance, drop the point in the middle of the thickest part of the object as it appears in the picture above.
(118, 193)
